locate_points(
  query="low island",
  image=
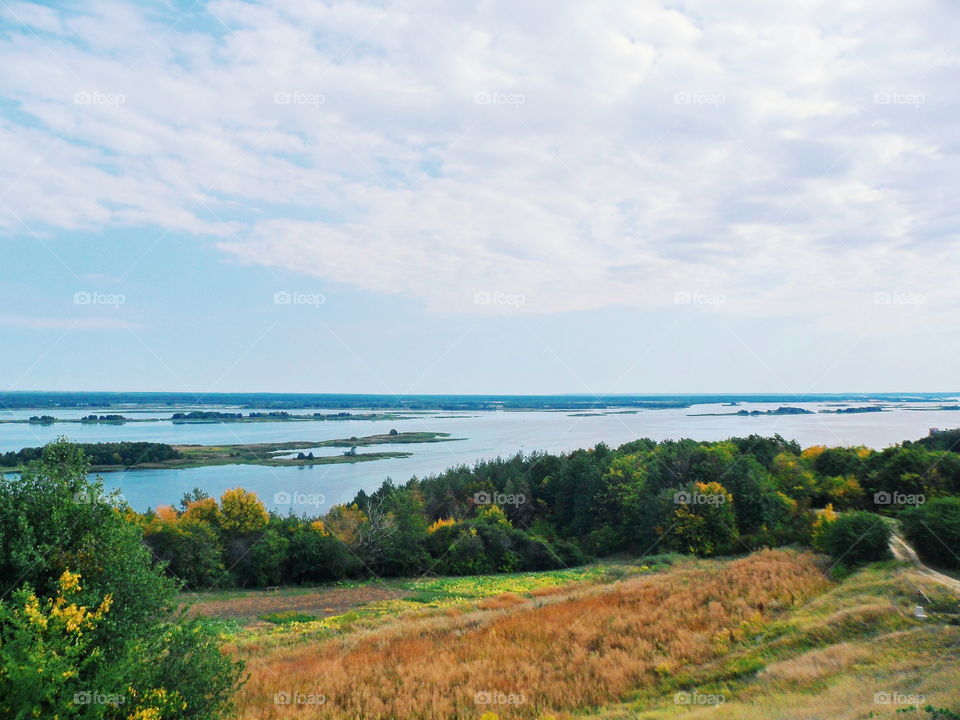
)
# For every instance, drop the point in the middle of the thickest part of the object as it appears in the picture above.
(782, 410)
(108, 457)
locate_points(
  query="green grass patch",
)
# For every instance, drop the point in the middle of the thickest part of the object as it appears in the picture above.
(288, 617)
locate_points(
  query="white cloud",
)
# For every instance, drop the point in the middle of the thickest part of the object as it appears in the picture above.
(795, 159)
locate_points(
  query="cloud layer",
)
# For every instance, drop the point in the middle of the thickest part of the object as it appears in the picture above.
(754, 158)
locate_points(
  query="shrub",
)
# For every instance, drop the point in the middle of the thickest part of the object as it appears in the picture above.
(263, 565)
(92, 610)
(467, 556)
(704, 521)
(857, 538)
(819, 529)
(934, 530)
(317, 557)
(191, 549)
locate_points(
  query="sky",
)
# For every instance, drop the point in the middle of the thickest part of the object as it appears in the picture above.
(488, 197)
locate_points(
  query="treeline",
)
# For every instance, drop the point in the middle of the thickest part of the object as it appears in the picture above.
(940, 440)
(235, 540)
(218, 415)
(118, 453)
(541, 511)
(206, 415)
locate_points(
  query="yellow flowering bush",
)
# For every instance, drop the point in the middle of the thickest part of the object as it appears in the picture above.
(43, 644)
(441, 523)
(59, 615)
(825, 518)
(92, 631)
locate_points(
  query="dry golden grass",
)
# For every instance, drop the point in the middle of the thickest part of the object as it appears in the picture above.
(499, 602)
(547, 591)
(816, 664)
(896, 676)
(551, 654)
(851, 653)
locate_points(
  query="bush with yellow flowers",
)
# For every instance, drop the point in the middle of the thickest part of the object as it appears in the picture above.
(91, 630)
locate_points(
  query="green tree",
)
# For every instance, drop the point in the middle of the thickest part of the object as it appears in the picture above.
(264, 563)
(704, 521)
(190, 548)
(858, 537)
(317, 556)
(404, 551)
(242, 512)
(74, 563)
(934, 530)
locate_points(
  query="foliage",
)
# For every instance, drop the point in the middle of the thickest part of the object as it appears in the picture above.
(703, 522)
(820, 526)
(934, 530)
(542, 511)
(857, 537)
(116, 453)
(91, 615)
(242, 512)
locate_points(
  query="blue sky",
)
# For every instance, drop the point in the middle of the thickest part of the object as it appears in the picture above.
(413, 197)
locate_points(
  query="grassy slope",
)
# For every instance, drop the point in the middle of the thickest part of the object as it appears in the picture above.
(365, 605)
(823, 652)
(830, 658)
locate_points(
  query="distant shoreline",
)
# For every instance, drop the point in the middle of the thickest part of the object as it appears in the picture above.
(133, 401)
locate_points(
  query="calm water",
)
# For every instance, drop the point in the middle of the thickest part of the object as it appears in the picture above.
(486, 435)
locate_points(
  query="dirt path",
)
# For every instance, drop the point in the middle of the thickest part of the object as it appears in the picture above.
(903, 551)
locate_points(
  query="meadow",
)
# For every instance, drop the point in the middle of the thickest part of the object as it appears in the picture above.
(767, 635)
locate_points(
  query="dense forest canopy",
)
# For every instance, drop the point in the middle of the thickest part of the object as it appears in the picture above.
(542, 511)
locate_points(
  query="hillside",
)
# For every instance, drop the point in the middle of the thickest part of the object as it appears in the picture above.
(765, 636)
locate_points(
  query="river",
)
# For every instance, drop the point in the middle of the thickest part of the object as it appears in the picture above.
(485, 435)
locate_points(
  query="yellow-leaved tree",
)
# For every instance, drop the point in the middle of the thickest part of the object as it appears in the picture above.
(242, 512)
